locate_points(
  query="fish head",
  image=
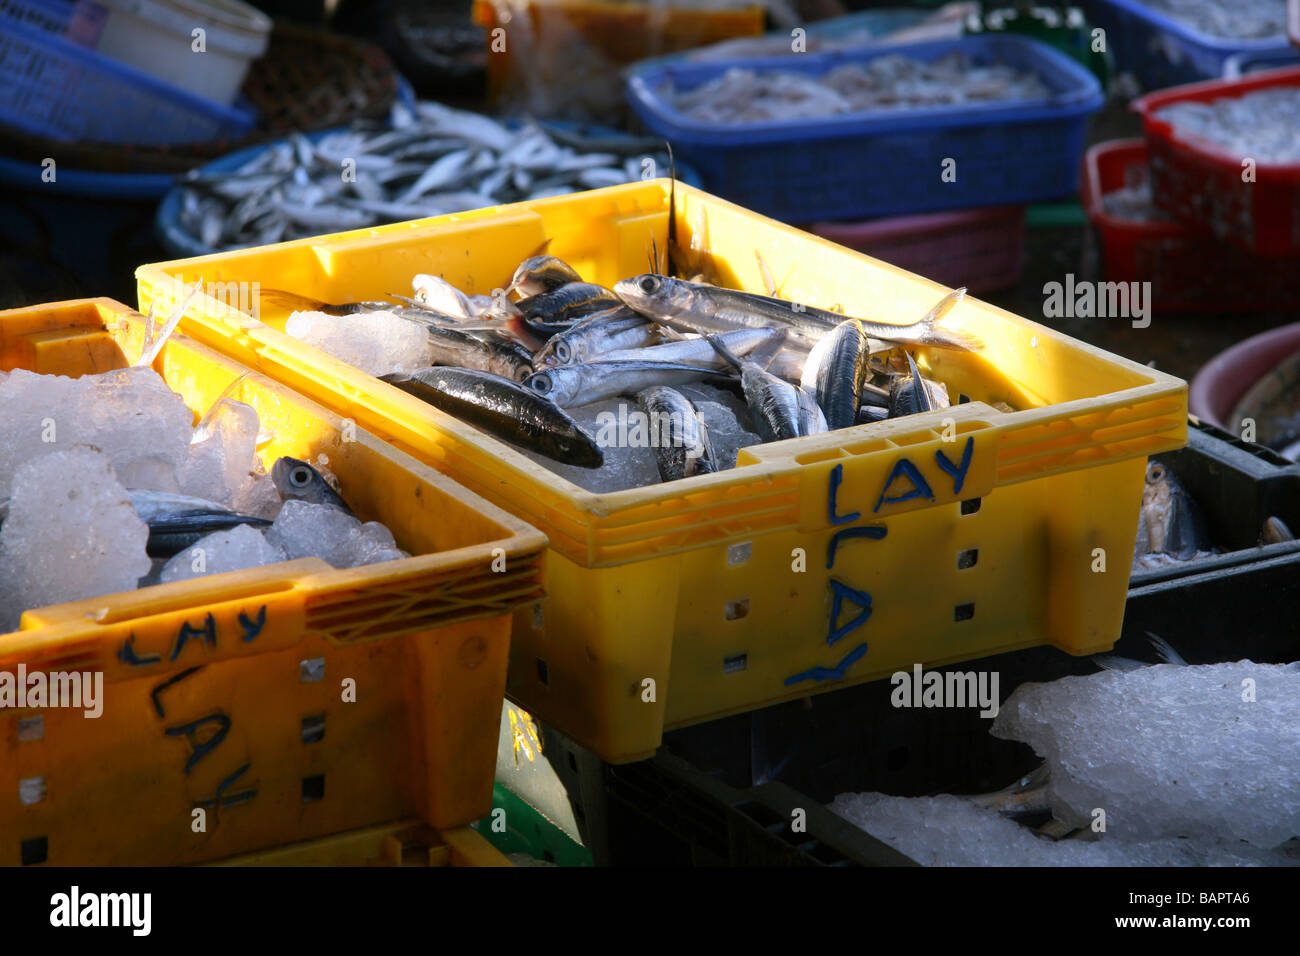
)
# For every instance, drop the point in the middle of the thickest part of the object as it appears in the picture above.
(295, 479)
(557, 384)
(538, 274)
(653, 295)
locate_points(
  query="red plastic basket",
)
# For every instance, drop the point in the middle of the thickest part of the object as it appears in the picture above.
(1201, 183)
(981, 249)
(1188, 272)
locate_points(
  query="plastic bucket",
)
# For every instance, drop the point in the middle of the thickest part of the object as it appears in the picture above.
(161, 38)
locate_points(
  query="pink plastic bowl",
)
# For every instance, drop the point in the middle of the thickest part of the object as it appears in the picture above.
(1226, 377)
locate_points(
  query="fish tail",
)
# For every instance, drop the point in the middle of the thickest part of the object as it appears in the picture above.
(1164, 650)
(948, 338)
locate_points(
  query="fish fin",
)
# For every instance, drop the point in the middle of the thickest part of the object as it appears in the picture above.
(668, 333)
(394, 378)
(1112, 662)
(280, 301)
(720, 347)
(653, 253)
(765, 354)
(769, 283)
(924, 399)
(948, 338)
(1165, 650)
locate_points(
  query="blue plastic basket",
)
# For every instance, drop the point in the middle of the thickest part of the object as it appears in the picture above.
(52, 87)
(1161, 51)
(886, 163)
(1243, 64)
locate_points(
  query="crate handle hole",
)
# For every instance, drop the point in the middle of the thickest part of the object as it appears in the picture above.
(573, 762)
(543, 674)
(313, 788)
(962, 399)
(311, 671)
(31, 728)
(36, 850)
(735, 663)
(737, 609)
(31, 790)
(963, 612)
(970, 506)
(313, 729)
(738, 554)
(968, 558)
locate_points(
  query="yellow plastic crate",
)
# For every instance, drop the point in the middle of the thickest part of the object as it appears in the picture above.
(410, 843)
(209, 684)
(692, 585)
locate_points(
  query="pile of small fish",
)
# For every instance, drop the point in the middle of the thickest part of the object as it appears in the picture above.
(1259, 125)
(891, 82)
(431, 161)
(536, 371)
(1238, 20)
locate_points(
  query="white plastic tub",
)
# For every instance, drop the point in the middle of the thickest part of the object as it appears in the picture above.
(158, 37)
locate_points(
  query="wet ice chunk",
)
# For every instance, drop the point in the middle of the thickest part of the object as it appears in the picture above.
(258, 495)
(70, 533)
(222, 453)
(375, 342)
(1170, 750)
(234, 549)
(304, 530)
(952, 831)
(129, 414)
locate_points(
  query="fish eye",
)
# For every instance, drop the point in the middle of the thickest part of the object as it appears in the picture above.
(562, 351)
(541, 383)
(648, 284)
(300, 477)
(1157, 472)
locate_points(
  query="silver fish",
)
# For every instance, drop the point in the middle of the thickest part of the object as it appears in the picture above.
(570, 385)
(176, 522)
(543, 273)
(680, 438)
(435, 292)
(501, 357)
(596, 335)
(296, 479)
(503, 408)
(1170, 522)
(699, 351)
(911, 394)
(773, 403)
(675, 300)
(836, 370)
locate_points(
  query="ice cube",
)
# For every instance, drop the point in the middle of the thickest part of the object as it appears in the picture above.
(375, 342)
(725, 433)
(258, 495)
(1170, 750)
(303, 529)
(234, 549)
(71, 533)
(129, 414)
(222, 453)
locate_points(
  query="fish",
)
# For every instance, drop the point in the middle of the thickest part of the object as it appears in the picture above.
(176, 522)
(708, 308)
(570, 385)
(567, 304)
(538, 274)
(1275, 531)
(682, 448)
(497, 355)
(295, 479)
(503, 408)
(773, 402)
(698, 351)
(435, 292)
(812, 420)
(430, 160)
(279, 300)
(595, 335)
(1027, 797)
(911, 394)
(1169, 521)
(836, 370)
(886, 83)
(1162, 648)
